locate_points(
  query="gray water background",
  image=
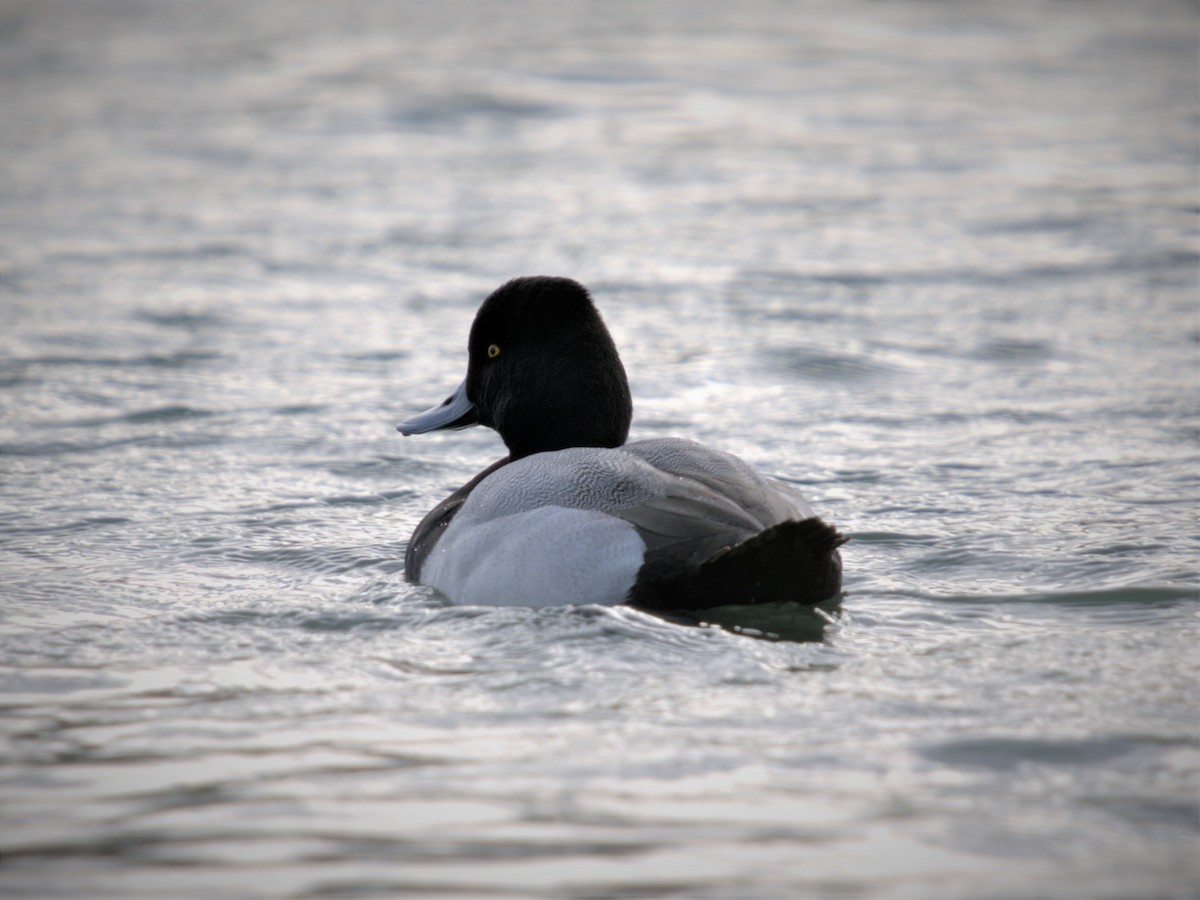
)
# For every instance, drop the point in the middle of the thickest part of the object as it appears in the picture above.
(935, 263)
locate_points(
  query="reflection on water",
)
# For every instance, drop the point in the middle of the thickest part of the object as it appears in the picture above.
(771, 621)
(934, 264)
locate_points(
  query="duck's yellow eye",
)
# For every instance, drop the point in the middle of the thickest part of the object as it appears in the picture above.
(493, 351)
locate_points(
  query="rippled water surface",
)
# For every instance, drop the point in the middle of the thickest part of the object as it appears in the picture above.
(935, 263)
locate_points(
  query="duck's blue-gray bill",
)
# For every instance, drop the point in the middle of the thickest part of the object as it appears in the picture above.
(456, 411)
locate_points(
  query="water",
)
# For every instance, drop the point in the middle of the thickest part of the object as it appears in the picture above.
(934, 263)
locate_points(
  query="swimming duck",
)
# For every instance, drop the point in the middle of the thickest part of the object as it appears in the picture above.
(574, 514)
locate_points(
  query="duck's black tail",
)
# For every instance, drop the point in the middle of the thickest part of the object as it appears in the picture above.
(792, 561)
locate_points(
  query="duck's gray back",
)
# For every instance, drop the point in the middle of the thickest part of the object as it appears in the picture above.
(769, 502)
(589, 478)
(614, 480)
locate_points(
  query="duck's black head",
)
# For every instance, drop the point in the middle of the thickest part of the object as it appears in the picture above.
(542, 370)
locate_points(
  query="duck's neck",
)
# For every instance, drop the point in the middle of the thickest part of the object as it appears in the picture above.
(597, 414)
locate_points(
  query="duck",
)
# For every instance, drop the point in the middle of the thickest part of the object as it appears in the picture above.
(576, 515)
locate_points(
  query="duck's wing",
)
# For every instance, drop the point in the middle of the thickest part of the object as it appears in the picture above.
(722, 534)
(769, 502)
(689, 522)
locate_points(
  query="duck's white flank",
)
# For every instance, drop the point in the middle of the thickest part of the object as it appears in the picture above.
(539, 557)
(538, 531)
